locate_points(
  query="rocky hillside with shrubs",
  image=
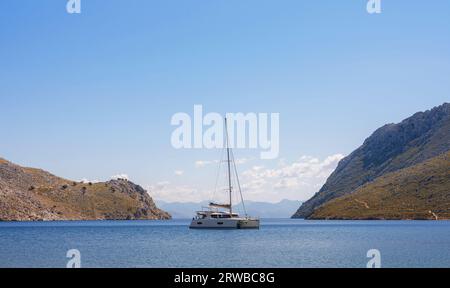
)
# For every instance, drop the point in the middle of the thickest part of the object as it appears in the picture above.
(29, 194)
(391, 148)
(419, 192)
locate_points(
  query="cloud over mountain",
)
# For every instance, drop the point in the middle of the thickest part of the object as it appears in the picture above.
(302, 176)
(297, 180)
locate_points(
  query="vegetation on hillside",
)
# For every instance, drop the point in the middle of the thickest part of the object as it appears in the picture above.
(390, 148)
(421, 191)
(29, 194)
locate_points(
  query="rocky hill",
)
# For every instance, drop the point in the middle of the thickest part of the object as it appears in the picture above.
(420, 192)
(28, 194)
(390, 148)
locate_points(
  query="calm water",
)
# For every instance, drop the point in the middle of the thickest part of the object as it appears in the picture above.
(279, 243)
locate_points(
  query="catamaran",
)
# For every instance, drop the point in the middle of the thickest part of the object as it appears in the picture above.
(212, 216)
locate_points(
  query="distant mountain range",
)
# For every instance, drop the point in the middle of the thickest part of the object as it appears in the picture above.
(29, 194)
(282, 209)
(401, 171)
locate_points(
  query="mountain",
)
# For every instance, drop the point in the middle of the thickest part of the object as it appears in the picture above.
(390, 148)
(421, 191)
(29, 194)
(282, 209)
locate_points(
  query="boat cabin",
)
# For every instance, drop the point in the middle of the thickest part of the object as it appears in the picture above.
(215, 215)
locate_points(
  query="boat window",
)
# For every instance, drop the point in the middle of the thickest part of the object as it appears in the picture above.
(199, 223)
(220, 223)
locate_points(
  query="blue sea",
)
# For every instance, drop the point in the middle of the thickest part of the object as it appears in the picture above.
(279, 243)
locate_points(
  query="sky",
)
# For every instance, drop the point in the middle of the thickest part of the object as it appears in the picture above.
(91, 95)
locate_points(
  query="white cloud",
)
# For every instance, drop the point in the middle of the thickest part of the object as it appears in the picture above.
(178, 172)
(169, 192)
(120, 176)
(296, 180)
(84, 180)
(203, 163)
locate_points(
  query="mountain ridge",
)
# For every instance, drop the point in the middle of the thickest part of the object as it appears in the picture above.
(31, 194)
(391, 147)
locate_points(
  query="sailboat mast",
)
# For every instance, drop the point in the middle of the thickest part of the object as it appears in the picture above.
(229, 165)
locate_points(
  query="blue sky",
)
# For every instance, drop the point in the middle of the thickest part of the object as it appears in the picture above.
(91, 95)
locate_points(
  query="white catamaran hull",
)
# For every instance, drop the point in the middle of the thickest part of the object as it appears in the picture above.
(249, 224)
(240, 223)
